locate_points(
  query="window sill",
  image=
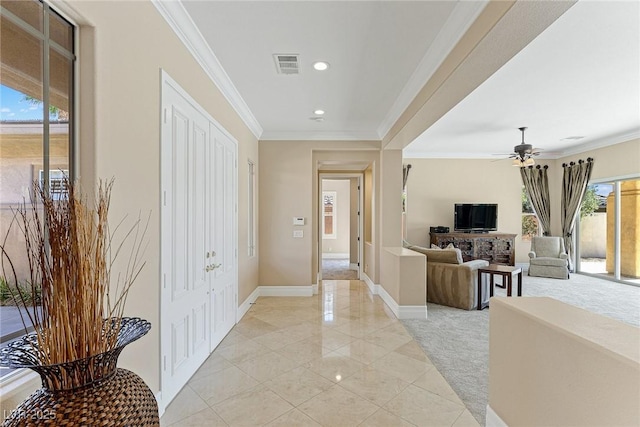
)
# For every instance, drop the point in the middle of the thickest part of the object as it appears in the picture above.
(18, 382)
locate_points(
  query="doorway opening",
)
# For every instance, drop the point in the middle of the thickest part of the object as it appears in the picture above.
(340, 227)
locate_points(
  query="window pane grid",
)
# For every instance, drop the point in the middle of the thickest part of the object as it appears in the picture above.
(329, 207)
(251, 231)
(36, 96)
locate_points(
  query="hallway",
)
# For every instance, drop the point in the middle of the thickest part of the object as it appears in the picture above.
(339, 358)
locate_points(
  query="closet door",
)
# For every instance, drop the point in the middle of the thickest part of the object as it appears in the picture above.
(185, 307)
(198, 236)
(223, 237)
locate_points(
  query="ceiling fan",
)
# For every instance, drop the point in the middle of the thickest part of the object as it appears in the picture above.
(523, 153)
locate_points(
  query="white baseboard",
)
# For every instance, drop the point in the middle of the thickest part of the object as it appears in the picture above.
(334, 255)
(391, 303)
(246, 305)
(161, 406)
(412, 312)
(373, 288)
(493, 420)
(353, 266)
(286, 291)
(275, 291)
(400, 311)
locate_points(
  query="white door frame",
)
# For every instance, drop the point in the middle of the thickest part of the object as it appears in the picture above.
(165, 249)
(327, 175)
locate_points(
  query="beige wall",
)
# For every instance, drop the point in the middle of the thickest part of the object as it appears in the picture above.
(369, 256)
(391, 194)
(593, 235)
(289, 187)
(126, 98)
(553, 364)
(285, 192)
(403, 275)
(353, 221)
(435, 185)
(341, 244)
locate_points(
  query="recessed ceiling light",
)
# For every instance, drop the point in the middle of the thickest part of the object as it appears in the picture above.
(572, 138)
(320, 65)
(318, 112)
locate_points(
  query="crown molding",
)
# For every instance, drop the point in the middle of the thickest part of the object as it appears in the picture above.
(407, 154)
(320, 136)
(601, 143)
(578, 149)
(461, 18)
(181, 23)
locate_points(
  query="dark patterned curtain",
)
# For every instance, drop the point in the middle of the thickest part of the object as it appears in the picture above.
(405, 175)
(574, 184)
(536, 184)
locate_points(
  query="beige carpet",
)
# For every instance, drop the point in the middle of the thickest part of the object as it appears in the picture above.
(337, 269)
(457, 341)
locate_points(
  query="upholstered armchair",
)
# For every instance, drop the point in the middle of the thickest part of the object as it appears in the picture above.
(548, 258)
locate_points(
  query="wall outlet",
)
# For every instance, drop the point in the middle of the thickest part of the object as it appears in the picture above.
(298, 234)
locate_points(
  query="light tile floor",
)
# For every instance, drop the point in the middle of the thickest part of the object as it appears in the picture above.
(339, 358)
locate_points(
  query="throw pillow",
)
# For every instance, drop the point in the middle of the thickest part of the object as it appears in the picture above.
(449, 246)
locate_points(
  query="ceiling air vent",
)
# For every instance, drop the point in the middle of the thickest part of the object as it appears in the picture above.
(287, 64)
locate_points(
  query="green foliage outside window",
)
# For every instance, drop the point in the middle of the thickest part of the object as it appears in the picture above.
(526, 204)
(529, 226)
(589, 202)
(529, 218)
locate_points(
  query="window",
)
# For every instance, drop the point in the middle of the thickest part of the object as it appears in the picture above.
(329, 228)
(251, 230)
(530, 225)
(36, 121)
(607, 230)
(57, 182)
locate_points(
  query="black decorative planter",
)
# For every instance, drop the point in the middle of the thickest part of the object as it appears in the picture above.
(86, 392)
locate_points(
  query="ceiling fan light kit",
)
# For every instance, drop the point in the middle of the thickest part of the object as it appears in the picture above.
(523, 153)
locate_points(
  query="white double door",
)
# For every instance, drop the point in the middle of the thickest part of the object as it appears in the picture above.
(198, 237)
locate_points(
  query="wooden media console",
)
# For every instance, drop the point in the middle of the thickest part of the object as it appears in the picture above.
(497, 248)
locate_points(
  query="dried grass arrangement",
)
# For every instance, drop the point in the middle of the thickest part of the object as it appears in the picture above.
(71, 250)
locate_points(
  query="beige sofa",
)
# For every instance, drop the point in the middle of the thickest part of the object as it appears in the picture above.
(450, 281)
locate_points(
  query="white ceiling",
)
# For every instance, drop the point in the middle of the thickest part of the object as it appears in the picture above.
(580, 77)
(381, 53)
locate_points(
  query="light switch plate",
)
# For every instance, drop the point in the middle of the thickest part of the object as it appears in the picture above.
(298, 234)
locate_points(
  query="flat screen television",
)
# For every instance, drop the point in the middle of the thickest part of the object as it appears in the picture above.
(478, 217)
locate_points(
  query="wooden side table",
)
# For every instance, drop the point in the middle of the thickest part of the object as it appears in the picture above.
(506, 272)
